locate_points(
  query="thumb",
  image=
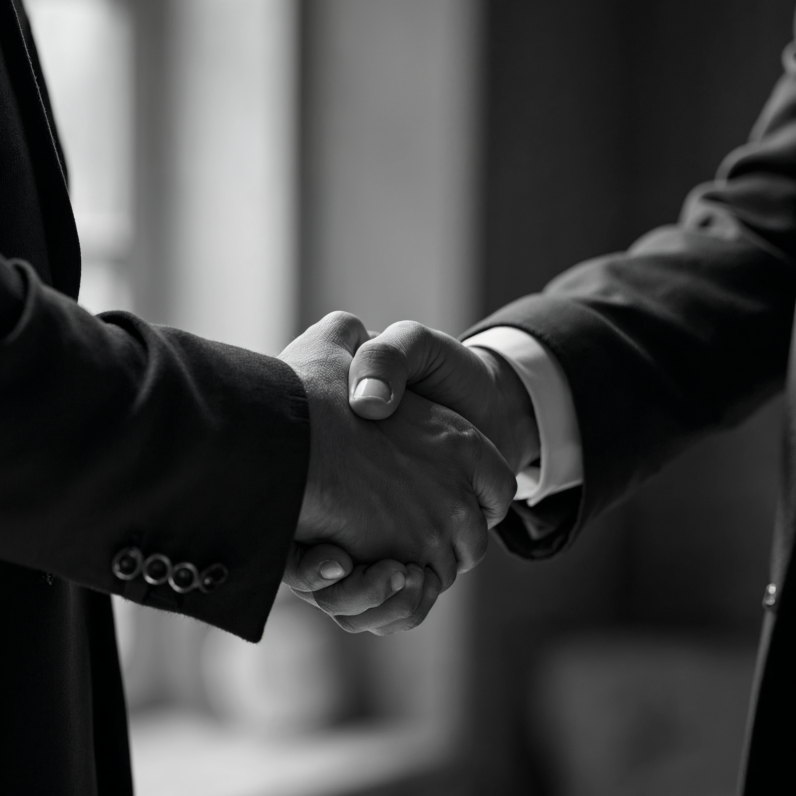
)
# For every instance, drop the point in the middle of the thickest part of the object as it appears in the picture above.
(314, 567)
(402, 356)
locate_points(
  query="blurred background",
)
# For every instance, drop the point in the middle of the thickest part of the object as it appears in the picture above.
(241, 167)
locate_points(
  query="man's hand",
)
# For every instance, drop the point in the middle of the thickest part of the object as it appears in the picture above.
(475, 382)
(421, 487)
(479, 385)
(383, 598)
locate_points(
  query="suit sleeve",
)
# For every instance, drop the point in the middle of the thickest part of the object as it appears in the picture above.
(686, 333)
(119, 435)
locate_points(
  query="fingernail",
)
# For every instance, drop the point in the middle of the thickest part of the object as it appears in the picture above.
(373, 388)
(331, 570)
(397, 582)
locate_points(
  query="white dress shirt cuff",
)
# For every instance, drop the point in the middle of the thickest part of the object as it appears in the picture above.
(560, 465)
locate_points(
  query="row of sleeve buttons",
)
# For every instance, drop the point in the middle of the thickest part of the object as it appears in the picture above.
(157, 569)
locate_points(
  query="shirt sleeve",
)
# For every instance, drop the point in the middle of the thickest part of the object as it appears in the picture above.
(560, 464)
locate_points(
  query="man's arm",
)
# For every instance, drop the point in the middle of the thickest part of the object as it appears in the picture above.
(152, 463)
(560, 463)
(686, 333)
(518, 397)
(117, 434)
(425, 485)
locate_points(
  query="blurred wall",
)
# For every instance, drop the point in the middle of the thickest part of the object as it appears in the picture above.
(599, 116)
(214, 98)
(389, 160)
(387, 230)
(215, 141)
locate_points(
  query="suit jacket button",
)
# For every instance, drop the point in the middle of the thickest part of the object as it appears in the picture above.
(770, 597)
(157, 569)
(127, 563)
(184, 577)
(213, 577)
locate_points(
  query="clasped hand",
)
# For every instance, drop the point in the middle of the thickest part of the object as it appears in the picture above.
(394, 509)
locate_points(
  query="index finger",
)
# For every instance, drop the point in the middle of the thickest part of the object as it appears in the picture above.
(365, 588)
(406, 354)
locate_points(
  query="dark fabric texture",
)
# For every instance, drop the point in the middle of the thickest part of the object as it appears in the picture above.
(686, 333)
(115, 433)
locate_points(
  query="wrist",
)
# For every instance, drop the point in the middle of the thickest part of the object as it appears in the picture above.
(314, 505)
(311, 510)
(511, 418)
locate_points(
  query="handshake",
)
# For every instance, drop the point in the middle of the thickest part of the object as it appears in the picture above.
(403, 484)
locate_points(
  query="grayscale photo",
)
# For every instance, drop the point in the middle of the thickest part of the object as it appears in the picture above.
(397, 397)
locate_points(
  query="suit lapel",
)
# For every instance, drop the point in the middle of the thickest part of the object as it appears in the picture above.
(63, 248)
(769, 744)
(767, 765)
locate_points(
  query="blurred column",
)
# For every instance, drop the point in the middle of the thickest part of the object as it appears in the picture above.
(214, 210)
(389, 138)
(216, 99)
(86, 53)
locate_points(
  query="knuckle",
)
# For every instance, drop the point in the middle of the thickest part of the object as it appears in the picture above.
(461, 511)
(468, 517)
(435, 538)
(409, 330)
(340, 318)
(469, 438)
(338, 323)
(459, 429)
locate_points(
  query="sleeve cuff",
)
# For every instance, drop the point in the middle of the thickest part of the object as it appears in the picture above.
(561, 463)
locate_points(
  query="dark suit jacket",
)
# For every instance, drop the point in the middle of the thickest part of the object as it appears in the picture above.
(686, 333)
(114, 434)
